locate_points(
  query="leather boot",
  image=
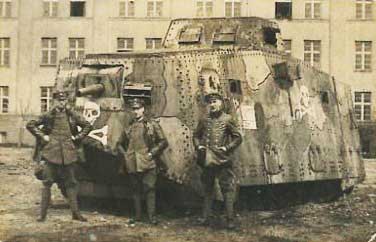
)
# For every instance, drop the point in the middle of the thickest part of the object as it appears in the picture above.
(229, 203)
(46, 196)
(137, 207)
(72, 198)
(150, 205)
(207, 209)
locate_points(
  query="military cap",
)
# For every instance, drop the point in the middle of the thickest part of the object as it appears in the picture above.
(60, 95)
(136, 103)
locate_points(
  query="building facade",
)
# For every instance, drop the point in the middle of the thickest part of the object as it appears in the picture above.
(333, 35)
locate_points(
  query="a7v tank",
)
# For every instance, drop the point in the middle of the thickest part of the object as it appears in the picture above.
(296, 121)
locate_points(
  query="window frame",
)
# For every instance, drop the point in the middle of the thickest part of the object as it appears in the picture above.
(312, 53)
(204, 8)
(312, 14)
(71, 8)
(49, 50)
(153, 13)
(3, 50)
(363, 54)
(125, 43)
(76, 49)
(52, 5)
(126, 9)
(48, 98)
(363, 4)
(283, 2)
(6, 8)
(153, 43)
(3, 98)
(287, 51)
(233, 5)
(362, 104)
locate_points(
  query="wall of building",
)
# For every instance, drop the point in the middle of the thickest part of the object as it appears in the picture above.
(337, 29)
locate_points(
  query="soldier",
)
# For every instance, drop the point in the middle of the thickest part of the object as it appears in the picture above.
(58, 134)
(215, 138)
(140, 145)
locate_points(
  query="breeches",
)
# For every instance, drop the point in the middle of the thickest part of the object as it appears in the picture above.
(60, 174)
(225, 176)
(143, 182)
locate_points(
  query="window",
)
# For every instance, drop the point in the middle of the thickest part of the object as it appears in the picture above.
(4, 99)
(3, 137)
(233, 8)
(363, 9)
(126, 8)
(204, 8)
(287, 46)
(77, 8)
(283, 10)
(5, 8)
(313, 9)
(50, 8)
(363, 55)
(49, 51)
(124, 44)
(312, 52)
(153, 43)
(76, 47)
(45, 98)
(154, 8)
(362, 105)
(4, 51)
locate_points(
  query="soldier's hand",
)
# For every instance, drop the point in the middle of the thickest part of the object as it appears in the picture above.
(201, 147)
(150, 155)
(46, 138)
(222, 148)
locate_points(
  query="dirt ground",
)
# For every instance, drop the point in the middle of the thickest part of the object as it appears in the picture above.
(349, 218)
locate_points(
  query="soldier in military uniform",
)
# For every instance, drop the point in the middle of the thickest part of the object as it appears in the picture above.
(215, 138)
(141, 144)
(58, 134)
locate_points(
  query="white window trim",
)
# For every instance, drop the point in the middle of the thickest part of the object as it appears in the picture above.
(76, 49)
(364, 4)
(3, 13)
(362, 104)
(2, 98)
(125, 41)
(312, 3)
(49, 50)
(51, 6)
(312, 52)
(3, 49)
(232, 7)
(153, 41)
(204, 10)
(126, 7)
(154, 12)
(48, 98)
(363, 54)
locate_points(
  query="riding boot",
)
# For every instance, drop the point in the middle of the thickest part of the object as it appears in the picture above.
(72, 198)
(207, 209)
(46, 196)
(137, 206)
(150, 204)
(229, 203)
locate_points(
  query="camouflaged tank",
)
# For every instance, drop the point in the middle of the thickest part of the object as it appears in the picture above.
(297, 122)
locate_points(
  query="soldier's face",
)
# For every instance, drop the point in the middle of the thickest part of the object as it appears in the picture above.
(138, 112)
(61, 103)
(215, 105)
